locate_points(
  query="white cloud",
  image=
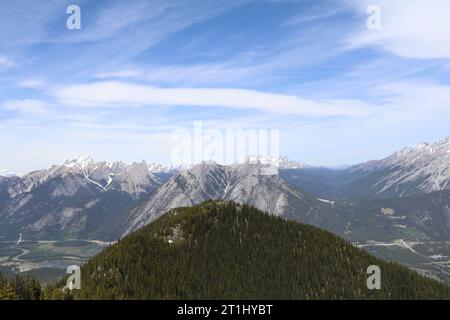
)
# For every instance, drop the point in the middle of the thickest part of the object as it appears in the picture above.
(317, 14)
(411, 29)
(126, 73)
(32, 83)
(107, 94)
(26, 106)
(408, 101)
(210, 74)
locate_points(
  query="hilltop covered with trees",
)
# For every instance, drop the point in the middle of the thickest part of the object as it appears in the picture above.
(222, 250)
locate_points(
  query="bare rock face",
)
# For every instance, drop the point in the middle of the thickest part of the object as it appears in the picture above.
(242, 183)
(92, 192)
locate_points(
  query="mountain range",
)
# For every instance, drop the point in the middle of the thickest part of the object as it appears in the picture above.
(74, 198)
(404, 196)
(423, 168)
(86, 199)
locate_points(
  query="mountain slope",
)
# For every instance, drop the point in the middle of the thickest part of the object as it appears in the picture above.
(322, 182)
(423, 168)
(226, 251)
(245, 183)
(419, 169)
(78, 199)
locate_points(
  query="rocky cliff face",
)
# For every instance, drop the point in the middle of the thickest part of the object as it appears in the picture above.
(242, 183)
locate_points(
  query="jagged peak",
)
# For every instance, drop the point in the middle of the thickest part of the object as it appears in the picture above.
(164, 168)
(80, 162)
(282, 162)
(204, 166)
(420, 150)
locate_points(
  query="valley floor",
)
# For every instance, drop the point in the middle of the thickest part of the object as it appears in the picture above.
(46, 260)
(429, 258)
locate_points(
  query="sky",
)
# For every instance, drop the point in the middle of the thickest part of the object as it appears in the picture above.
(341, 82)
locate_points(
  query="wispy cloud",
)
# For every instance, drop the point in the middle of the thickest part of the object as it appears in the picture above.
(32, 83)
(317, 13)
(104, 94)
(125, 73)
(26, 106)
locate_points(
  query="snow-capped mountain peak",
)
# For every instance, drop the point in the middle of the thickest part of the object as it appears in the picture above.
(6, 173)
(421, 154)
(421, 168)
(279, 162)
(79, 162)
(162, 168)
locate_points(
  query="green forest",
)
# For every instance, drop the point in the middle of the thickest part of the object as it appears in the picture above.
(220, 250)
(20, 288)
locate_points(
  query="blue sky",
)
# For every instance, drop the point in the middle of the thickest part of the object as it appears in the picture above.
(339, 92)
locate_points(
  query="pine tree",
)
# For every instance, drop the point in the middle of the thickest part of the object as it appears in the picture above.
(7, 291)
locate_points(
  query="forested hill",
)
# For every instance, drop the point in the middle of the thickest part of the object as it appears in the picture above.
(227, 251)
